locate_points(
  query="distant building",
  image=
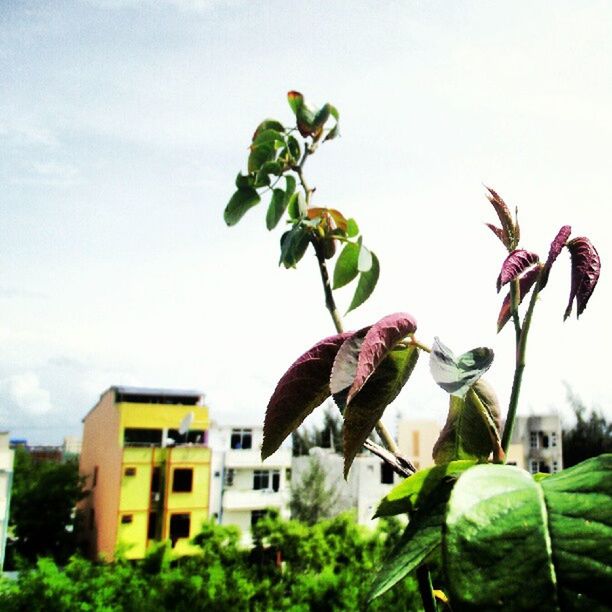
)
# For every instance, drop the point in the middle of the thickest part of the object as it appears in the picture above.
(242, 485)
(71, 446)
(536, 444)
(6, 484)
(368, 481)
(147, 466)
(416, 439)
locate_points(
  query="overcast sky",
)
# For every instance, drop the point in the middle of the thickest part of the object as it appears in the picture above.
(123, 124)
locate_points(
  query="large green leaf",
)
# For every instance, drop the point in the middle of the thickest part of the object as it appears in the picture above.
(513, 543)
(368, 405)
(259, 155)
(422, 536)
(467, 431)
(240, 202)
(293, 246)
(346, 265)
(366, 284)
(276, 208)
(409, 494)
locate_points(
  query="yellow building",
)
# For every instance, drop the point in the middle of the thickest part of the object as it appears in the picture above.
(147, 466)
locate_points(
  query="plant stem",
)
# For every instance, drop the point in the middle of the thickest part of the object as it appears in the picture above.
(519, 368)
(426, 588)
(515, 298)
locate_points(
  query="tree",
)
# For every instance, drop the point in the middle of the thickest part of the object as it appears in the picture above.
(589, 437)
(311, 499)
(326, 435)
(42, 514)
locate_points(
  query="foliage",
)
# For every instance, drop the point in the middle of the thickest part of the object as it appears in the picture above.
(326, 435)
(590, 436)
(324, 566)
(43, 499)
(366, 369)
(311, 499)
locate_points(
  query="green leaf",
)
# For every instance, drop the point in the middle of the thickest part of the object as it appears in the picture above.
(466, 434)
(506, 532)
(244, 181)
(352, 229)
(421, 538)
(268, 124)
(276, 208)
(293, 246)
(296, 206)
(240, 202)
(270, 167)
(346, 265)
(274, 138)
(259, 155)
(366, 284)
(367, 407)
(296, 100)
(410, 494)
(294, 148)
(364, 262)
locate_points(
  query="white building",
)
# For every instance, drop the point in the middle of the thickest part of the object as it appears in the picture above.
(242, 486)
(369, 480)
(6, 483)
(536, 444)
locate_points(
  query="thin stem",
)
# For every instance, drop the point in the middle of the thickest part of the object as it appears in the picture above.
(426, 589)
(330, 303)
(519, 369)
(386, 437)
(515, 298)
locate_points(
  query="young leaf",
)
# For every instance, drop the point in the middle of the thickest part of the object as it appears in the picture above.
(499, 233)
(586, 267)
(504, 530)
(457, 375)
(303, 387)
(352, 229)
(421, 538)
(409, 494)
(293, 246)
(555, 248)
(510, 229)
(466, 434)
(296, 100)
(240, 202)
(346, 265)
(366, 408)
(276, 208)
(379, 340)
(526, 281)
(514, 265)
(366, 284)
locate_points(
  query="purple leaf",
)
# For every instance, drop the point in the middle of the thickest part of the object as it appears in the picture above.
(586, 266)
(303, 387)
(555, 248)
(514, 265)
(526, 281)
(499, 233)
(345, 364)
(379, 340)
(509, 227)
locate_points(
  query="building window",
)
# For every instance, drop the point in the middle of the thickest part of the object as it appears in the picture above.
(533, 467)
(544, 439)
(261, 479)
(129, 471)
(94, 480)
(533, 439)
(256, 515)
(126, 519)
(229, 477)
(152, 526)
(182, 480)
(553, 439)
(555, 466)
(135, 436)
(241, 439)
(288, 474)
(386, 474)
(193, 436)
(180, 525)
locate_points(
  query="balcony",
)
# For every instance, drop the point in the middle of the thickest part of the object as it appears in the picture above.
(251, 458)
(253, 500)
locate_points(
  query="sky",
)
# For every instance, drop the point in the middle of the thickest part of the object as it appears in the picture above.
(123, 124)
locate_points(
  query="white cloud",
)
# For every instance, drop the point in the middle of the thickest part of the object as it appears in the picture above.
(21, 394)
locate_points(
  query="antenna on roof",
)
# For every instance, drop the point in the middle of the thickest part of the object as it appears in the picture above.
(186, 423)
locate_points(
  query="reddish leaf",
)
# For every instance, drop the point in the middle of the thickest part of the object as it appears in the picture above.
(303, 387)
(368, 406)
(509, 227)
(379, 340)
(586, 266)
(526, 281)
(555, 248)
(499, 233)
(345, 364)
(514, 265)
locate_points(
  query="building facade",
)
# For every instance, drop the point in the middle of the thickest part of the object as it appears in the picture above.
(536, 444)
(416, 439)
(242, 485)
(146, 461)
(6, 484)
